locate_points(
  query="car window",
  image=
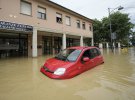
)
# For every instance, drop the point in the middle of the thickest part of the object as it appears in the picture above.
(98, 52)
(91, 53)
(86, 54)
(68, 55)
(74, 55)
(94, 52)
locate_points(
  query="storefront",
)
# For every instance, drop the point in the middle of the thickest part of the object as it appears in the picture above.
(51, 45)
(14, 39)
(87, 41)
(72, 42)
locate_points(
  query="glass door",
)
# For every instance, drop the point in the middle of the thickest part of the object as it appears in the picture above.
(48, 45)
(12, 45)
(58, 44)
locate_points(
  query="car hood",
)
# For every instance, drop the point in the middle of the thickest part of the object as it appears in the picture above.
(54, 64)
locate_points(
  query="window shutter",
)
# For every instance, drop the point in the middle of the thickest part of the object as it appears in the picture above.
(25, 8)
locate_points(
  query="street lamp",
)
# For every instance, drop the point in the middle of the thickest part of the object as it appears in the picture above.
(110, 23)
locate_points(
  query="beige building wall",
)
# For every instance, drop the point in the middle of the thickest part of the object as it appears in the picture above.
(10, 11)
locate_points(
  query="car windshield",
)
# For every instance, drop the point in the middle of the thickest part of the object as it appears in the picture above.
(68, 55)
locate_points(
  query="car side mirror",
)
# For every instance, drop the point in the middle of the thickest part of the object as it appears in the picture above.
(86, 59)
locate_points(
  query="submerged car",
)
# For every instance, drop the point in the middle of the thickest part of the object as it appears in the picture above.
(71, 62)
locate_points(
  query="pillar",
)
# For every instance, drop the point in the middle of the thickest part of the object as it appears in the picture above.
(113, 45)
(119, 45)
(34, 42)
(100, 45)
(64, 41)
(92, 42)
(107, 46)
(81, 41)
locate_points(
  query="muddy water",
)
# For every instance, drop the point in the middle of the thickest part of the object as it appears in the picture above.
(20, 79)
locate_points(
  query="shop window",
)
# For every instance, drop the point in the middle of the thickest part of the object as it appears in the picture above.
(68, 21)
(58, 18)
(41, 14)
(26, 8)
(78, 23)
(83, 26)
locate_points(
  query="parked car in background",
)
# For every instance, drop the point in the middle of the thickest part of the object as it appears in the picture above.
(71, 62)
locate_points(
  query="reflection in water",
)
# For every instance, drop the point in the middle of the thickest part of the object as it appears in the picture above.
(119, 51)
(20, 79)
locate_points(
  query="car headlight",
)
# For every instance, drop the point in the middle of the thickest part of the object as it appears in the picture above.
(60, 71)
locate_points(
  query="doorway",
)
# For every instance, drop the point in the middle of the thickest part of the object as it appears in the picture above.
(13, 45)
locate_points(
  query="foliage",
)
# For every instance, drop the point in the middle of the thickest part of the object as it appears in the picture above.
(121, 25)
(98, 31)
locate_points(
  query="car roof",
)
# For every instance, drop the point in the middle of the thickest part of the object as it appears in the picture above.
(82, 47)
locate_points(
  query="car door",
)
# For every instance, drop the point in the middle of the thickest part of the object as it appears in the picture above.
(96, 56)
(99, 56)
(89, 64)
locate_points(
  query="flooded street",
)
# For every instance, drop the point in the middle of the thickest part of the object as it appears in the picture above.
(21, 79)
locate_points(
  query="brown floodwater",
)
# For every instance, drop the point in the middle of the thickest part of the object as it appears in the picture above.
(20, 79)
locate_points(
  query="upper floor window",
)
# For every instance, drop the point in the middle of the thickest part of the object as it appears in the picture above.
(68, 21)
(90, 28)
(78, 23)
(83, 26)
(58, 18)
(26, 8)
(41, 14)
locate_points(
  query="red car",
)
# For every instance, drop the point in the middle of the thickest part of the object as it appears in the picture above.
(71, 62)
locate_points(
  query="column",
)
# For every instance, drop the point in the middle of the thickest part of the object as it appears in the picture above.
(113, 45)
(100, 45)
(64, 41)
(92, 42)
(107, 46)
(81, 41)
(119, 45)
(34, 42)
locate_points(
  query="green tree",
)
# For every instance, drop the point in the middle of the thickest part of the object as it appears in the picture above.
(98, 31)
(121, 25)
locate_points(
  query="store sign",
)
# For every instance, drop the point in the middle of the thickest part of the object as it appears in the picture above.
(15, 26)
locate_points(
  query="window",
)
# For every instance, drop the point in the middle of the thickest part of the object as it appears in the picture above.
(68, 55)
(26, 8)
(83, 26)
(68, 21)
(91, 53)
(78, 24)
(90, 28)
(86, 54)
(41, 14)
(58, 18)
(94, 52)
(98, 52)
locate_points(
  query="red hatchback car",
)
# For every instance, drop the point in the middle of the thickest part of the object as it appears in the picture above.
(71, 62)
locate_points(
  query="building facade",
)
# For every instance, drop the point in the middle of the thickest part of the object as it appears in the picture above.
(36, 27)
